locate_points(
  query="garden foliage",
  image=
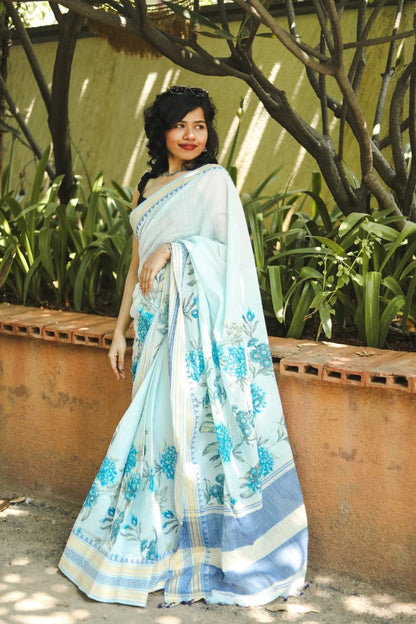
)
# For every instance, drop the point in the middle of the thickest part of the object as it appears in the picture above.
(65, 255)
(322, 266)
(316, 267)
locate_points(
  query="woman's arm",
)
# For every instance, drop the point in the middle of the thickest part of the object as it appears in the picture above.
(118, 345)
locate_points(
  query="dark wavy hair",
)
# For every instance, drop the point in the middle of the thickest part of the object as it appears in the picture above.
(169, 108)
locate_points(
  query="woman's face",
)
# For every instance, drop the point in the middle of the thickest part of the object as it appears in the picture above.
(187, 138)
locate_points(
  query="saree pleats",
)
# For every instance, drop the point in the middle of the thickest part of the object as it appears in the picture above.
(198, 493)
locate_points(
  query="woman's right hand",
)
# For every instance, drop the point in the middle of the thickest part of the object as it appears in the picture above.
(116, 355)
(152, 265)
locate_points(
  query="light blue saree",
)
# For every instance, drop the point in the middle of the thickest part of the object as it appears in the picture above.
(198, 493)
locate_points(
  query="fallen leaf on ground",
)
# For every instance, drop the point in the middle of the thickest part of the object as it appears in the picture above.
(20, 499)
(4, 503)
(290, 607)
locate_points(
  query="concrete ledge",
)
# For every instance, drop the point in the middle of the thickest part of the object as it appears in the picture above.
(350, 414)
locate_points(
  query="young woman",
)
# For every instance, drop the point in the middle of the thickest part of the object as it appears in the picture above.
(198, 493)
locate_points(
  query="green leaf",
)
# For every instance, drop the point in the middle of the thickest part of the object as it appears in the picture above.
(390, 312)
(298, 321)
(372, 284)
(325, 317)
(350, 223)
(39, 176)
(276, 292)
(409, 301)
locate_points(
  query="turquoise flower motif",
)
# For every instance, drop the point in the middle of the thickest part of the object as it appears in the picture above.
(116, 526)
(92, 496)
(195, 364)
(168, 462)
(266, 461)
(250, 315)
(171, 523)
(254, 479)
(152, 554)
(217, 490)
(235, 362)
(131, 460)
(261, 355)
(143, 323)
(225, 443)
(133, 520)
(217, 352)
(107, 472)
(151, 481)
(132, 487)
(258, 397)
(245, 422)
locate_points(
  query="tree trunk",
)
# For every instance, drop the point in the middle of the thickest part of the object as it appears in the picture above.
(58, 121)
(4, 51)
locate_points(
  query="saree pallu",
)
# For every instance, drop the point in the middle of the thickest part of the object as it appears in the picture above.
(198, 493)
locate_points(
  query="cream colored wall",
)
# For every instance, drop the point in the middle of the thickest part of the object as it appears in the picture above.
(109, 91)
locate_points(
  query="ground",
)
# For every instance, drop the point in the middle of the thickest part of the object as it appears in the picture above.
(33, 591)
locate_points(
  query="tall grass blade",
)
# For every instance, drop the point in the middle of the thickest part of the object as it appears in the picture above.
(372, 284)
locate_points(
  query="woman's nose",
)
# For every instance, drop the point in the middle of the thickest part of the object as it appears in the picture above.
(189, 132)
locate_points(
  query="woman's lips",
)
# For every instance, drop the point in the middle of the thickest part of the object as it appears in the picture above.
(187, 146)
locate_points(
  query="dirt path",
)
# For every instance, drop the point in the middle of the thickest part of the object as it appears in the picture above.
(32, 591)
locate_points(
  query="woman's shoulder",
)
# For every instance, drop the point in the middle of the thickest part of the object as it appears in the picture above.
(143, 181)
(214, 170)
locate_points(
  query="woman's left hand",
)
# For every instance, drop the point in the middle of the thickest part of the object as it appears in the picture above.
(152, 265)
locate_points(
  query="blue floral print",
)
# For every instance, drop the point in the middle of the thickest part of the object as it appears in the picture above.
(225, 443)
(216, 351)
(107, 472)
(258, 397)
(254, 479)
(92, 496)
(195, 364)
(132, 487)
(245, 422)
(171, 522)
(235, 362)
(116, 526)
(131, 460)
(250, 315)
(168, 462)
(144, 320)
(266, 461)
(151, 480)
(215, 491)
(261, 355)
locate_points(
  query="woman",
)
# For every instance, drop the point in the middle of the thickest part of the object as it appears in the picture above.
(198, 493)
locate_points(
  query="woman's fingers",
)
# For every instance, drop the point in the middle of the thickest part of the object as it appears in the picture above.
(151, 267)
(116, 357)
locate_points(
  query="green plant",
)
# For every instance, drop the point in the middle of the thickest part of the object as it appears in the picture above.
(69, 253)
(321, 265)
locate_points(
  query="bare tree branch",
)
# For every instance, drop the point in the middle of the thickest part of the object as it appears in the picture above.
(387, 75)
(30, 53)
(306, 54)
(322, 22)
(56, 11)
(396, 110)
(23, 126)
(410, 197)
